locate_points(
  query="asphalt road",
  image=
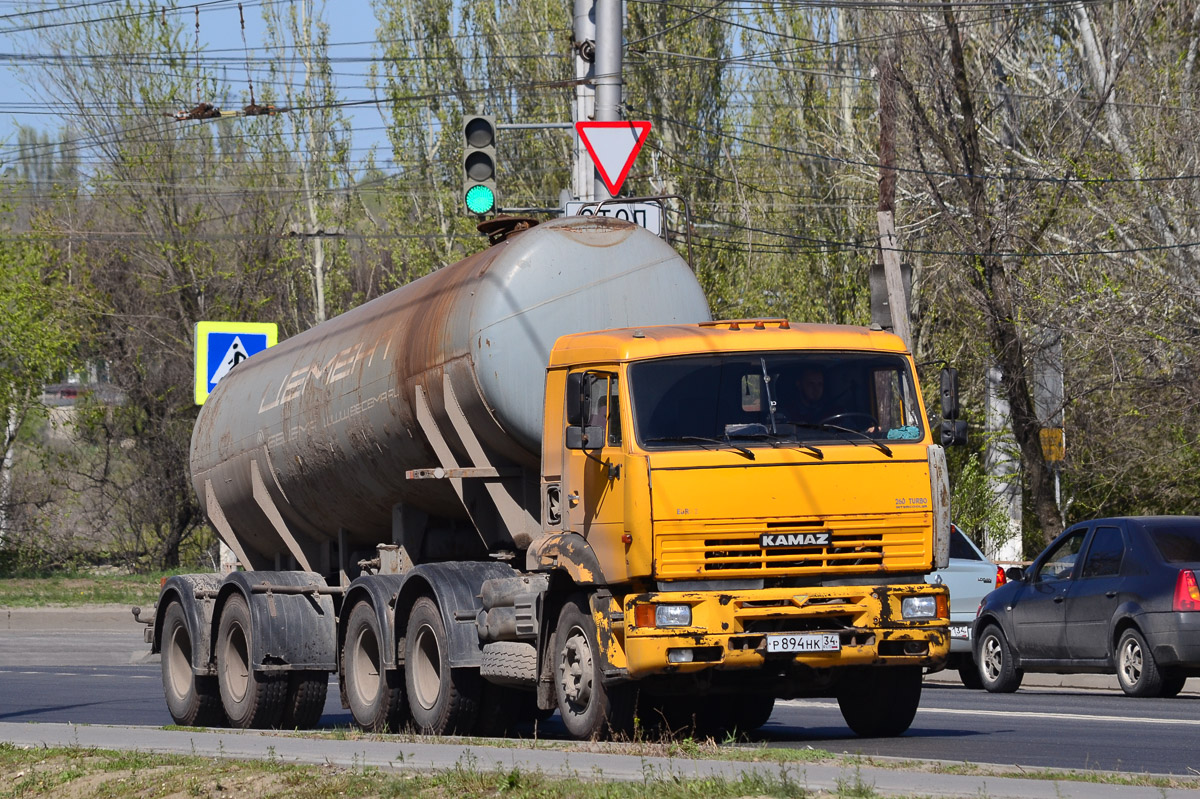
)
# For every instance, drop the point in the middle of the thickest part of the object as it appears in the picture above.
(99, 674)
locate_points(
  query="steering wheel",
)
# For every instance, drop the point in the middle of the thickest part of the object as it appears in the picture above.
(840, 419)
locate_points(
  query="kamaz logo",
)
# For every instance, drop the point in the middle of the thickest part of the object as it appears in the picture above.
(793, 539)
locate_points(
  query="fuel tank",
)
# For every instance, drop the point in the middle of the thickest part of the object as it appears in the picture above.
(317, 432)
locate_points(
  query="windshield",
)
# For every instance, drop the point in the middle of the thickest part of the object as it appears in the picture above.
(771, 399)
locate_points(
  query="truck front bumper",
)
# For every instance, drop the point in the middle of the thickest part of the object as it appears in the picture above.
(731, 630)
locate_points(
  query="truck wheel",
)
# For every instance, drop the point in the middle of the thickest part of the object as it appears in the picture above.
(502, 709)
(968, 672)
(305, 700)
(1136, 670)
(997, 670)
(747, 713)
(252, 699)
(193, 701)
(443, 701)
(1172, 685)
(375, 694)
(588, 707)
(881, 701)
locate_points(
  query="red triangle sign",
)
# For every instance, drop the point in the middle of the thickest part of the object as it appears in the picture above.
(613, 146)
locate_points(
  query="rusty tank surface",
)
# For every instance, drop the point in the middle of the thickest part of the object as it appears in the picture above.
(309, 442)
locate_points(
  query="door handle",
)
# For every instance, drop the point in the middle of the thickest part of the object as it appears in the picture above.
(1110, 594)
(573, 498)
(1058, 599)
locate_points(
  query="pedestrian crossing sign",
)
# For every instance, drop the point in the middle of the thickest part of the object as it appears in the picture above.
(220, 346)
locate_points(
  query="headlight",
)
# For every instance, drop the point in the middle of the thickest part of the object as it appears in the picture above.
(918, 607)
(672, 615)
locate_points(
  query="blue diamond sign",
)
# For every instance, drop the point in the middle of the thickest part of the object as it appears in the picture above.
(220, 346)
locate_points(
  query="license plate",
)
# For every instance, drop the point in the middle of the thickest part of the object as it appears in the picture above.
(962, 631)
(808, 642)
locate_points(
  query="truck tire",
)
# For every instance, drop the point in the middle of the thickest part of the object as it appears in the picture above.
(997, 668)
(748, 712)
(1137, 670)
(588, 707)
(443, 701)
(252, 699)
(192, 700)
(305, 702)
(968, 672)
(375, 694)
(1172, 685)
(880, 701)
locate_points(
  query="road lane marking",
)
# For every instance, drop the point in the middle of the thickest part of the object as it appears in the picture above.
(946, 711)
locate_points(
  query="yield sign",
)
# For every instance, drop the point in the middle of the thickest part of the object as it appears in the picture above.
(613, 147)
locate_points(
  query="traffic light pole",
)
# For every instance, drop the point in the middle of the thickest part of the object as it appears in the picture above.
(609, 41)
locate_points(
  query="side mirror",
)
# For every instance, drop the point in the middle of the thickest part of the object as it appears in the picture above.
(579, 395)
(949, 381)
(953, 432)
(1015, 573)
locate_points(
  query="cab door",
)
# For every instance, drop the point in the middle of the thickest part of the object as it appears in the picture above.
(593, 494)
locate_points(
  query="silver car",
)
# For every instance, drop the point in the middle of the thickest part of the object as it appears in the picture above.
(970, 577)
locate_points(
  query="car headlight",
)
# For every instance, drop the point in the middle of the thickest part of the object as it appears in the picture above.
(918, 607)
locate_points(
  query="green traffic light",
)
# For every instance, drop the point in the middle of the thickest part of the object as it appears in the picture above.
(480, 199)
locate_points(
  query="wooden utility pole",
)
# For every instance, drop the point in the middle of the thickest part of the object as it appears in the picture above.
(897, 301)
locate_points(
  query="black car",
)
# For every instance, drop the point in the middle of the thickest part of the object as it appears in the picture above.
(1109, 595)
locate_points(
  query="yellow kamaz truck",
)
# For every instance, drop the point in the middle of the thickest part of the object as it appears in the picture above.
(543, 479)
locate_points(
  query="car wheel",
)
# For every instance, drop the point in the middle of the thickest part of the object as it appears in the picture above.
(968, 672)
(1136, 669)
(997, 671)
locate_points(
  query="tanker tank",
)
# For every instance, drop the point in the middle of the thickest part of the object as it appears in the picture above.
(309, 442)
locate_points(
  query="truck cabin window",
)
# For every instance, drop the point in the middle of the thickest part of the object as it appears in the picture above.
(768, 399)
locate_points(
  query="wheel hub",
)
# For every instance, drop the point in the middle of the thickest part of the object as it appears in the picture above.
(575, 669)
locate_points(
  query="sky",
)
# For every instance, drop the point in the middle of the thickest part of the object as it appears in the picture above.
(352, 37)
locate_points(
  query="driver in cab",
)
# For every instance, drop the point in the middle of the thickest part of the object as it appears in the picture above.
(806, 401)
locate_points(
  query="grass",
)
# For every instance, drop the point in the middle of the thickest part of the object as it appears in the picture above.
(80, 588)
(783, 759)
(70, 773)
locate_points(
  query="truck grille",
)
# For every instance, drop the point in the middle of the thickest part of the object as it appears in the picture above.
(691, 550)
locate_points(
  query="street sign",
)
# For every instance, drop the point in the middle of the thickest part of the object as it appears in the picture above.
(220, 346)
(648, 215)
(613, 146)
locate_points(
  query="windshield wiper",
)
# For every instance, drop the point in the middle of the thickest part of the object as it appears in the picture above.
(701, 439)
(767, 388)
(780, 439)
(884, 448)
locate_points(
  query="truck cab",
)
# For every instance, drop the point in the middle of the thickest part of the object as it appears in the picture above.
(749, 527)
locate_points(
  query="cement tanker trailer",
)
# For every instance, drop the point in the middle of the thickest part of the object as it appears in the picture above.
(541, 479)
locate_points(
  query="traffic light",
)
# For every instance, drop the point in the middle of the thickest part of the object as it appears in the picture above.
(479, 163)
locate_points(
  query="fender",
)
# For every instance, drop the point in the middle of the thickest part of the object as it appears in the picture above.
(985, 620)
(455, 588)
(195, 593)
(569, 552)
(292, 632)
(382, 591)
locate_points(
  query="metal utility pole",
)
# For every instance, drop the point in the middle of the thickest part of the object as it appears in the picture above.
(609, 43)
(888, 247)
(584, 35)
